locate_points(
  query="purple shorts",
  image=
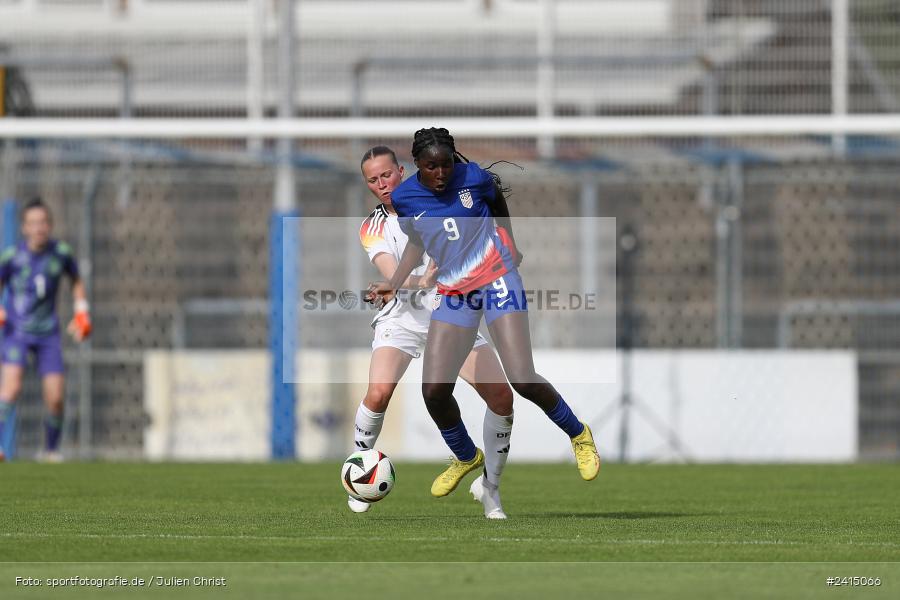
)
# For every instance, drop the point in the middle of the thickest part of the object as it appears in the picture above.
(506, 294)
(47, 351)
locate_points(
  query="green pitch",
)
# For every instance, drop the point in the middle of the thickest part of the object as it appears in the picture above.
(636, 531)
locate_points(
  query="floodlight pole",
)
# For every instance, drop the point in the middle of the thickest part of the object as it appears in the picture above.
(546, 76)
(627, 247)
(283, 248)
(284, 186)
(256, 28)
(840, 35)
(85, 348)
(588, 234)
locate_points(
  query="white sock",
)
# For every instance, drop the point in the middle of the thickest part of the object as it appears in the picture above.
(497, 431)
(367, 427)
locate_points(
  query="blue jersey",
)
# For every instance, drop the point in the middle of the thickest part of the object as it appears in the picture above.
(32, 280)
(456, 228)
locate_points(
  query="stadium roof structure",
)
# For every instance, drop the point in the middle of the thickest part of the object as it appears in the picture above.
(604, 59)
(609, 157)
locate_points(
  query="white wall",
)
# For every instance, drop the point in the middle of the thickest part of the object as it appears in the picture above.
(345, 18)
(704, 406)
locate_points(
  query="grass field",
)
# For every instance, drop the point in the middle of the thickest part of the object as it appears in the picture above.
(678, 531)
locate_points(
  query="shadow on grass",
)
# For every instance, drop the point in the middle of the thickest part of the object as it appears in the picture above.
(429, 518)
(622, 515)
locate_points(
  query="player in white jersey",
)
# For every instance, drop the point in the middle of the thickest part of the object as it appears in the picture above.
(401, 329)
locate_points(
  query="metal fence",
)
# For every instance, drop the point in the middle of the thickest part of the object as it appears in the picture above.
(732, 253)
(771, 242)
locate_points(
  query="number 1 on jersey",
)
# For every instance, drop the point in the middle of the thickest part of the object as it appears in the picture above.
(40, 285)
(450, 227)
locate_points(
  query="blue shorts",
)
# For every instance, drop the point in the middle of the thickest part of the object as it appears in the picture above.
(47, 350)
(504, 295)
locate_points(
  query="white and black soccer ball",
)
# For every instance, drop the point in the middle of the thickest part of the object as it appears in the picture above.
(368, 475)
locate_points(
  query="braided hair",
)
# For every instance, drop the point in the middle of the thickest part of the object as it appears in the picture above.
(440, 137)
(435, 137)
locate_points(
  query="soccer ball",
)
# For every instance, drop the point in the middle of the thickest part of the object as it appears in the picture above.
(368, 475)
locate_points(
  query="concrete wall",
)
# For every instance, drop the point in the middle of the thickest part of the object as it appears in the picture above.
(703, 406)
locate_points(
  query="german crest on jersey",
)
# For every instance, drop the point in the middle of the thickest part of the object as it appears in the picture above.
(465, 196)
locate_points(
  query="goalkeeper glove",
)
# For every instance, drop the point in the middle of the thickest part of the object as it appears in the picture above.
(80, 327)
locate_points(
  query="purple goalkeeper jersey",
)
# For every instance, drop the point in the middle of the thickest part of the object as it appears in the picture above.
(31, 281)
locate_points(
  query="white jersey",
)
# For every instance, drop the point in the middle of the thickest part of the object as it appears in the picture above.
(380, 233)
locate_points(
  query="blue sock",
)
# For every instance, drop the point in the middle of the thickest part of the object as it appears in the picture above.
(563, 416)
(459, 441)
(53, 430)
(5, 410)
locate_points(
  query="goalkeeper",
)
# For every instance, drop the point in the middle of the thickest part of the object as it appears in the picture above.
(31, 271)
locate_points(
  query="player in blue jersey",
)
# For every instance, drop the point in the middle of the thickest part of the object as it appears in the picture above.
(401, 328)
(31, 272)
(448, 209)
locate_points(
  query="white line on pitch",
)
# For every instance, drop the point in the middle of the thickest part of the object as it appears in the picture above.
(661, 542)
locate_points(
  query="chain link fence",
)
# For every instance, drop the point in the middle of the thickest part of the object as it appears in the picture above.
(739, 253)
(771, 242)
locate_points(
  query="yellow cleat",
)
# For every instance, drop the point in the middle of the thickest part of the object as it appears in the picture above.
(586, 454)
(447, 481)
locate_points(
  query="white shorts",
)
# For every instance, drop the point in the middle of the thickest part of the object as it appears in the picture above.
(393, 335)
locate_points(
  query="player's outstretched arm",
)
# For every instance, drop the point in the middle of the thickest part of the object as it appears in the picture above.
(80, 326)
(387, 266)
(412, 257)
